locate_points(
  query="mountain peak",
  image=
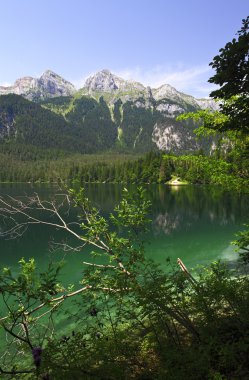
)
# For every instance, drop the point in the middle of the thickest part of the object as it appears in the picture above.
(48, 72)
(49, 85)
(55, 85)
(103, 81)
(165, 90)
(106, 81)
(106, 72)
(51, 74)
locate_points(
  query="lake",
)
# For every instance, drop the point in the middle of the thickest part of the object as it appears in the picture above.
(194, 223)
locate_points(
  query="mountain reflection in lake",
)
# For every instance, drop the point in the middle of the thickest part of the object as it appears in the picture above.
(181, 208)
(195, 223)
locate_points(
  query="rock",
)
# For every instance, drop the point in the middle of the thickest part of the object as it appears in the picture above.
(49, 85)
(54, 85)
(105, 81)
(171, 110)
(171, 137)
(208, 103)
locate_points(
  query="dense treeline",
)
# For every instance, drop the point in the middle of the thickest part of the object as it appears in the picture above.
(20, 163)
(161, 168)
(23, 163)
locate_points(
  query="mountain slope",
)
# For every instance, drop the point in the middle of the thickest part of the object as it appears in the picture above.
(25, 122)
(107, 113)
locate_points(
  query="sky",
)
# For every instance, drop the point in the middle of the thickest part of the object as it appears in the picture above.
(150, 41)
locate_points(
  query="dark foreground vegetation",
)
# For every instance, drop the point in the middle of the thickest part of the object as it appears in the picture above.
(130, 319)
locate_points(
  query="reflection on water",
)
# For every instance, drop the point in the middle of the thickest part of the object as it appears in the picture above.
(184, 207)
(191, 222)
(166, 223)
(228, 254)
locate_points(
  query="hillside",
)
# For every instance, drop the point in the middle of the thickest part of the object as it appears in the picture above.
(25, 122)
(107, 113)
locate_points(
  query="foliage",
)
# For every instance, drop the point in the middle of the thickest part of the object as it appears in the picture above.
(232, 66)
(26, 163)
(213, 121)
(20, 163)
(129, 319)
(232, 75)
(242, 243)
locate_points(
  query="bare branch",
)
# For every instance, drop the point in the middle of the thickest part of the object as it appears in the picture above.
(66, 247)
(50, 214)
(101, 266)
(58, 301)
(18, 337)
(49, 311)
(14, 372)
(17, 208)
(61, 298)
(185, 270)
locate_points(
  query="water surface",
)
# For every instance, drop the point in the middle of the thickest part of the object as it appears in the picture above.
(194, 223)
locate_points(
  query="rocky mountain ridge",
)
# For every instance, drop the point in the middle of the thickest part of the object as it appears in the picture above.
(107, 113)
(49, 85)
(104, 82)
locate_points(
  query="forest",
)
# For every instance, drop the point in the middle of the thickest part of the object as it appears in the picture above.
(20, 163)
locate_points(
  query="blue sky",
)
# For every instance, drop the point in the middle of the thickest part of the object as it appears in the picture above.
(151, 41)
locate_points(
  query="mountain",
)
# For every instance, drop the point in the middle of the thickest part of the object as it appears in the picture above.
(112, 87)
(105, 81)
(145, 117)
(108, 112)
(49, 85)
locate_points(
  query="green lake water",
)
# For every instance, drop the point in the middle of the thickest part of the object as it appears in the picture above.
(193, 223)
